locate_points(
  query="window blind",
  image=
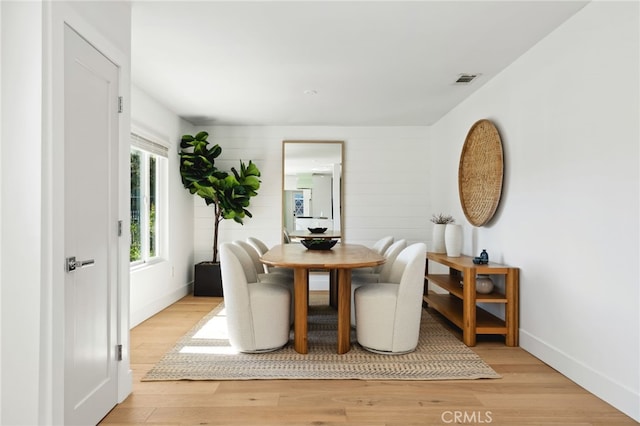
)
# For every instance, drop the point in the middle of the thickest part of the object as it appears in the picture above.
(149, 145)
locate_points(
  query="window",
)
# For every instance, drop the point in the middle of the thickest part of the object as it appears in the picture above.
(148, 180)
(298, 204)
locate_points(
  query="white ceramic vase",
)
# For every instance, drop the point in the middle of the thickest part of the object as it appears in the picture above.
(437, 239)
(453, 239)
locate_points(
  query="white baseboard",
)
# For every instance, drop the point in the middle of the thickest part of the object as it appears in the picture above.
(125, 384)
(157, 305)
(617, 394)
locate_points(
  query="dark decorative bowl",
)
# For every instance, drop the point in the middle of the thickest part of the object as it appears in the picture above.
(317, 230)
(319, 244)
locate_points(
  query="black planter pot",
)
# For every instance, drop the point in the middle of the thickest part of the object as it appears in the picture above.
(207, 280)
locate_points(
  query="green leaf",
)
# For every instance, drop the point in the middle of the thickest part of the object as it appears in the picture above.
(215, 151)
(206, 192)
(202, 136)
(252, 182)
(252, 170)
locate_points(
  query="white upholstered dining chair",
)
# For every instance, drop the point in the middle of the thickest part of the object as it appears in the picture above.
(258, 314)
(379, 247)
(262, 276)
(262, 248)
(250, 260)
(382, 244)
(358, 280)
(388, 313)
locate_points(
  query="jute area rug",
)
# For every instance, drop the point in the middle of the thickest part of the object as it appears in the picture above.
(204, 353)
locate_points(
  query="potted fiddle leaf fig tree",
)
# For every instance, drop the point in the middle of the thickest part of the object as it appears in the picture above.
(229, 194)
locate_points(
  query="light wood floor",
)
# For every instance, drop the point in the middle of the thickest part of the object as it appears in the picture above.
(529, 393)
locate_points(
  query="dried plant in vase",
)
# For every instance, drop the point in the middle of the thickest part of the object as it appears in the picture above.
(442, 219)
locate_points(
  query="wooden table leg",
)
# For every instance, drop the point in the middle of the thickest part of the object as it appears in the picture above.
(344, 310)
(301, 306)
(333, 288)
(469, 309)
(511, 314)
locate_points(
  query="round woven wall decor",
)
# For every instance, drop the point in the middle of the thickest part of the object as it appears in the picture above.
(480, 173)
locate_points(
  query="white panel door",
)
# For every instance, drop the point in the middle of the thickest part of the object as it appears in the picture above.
(91, 146)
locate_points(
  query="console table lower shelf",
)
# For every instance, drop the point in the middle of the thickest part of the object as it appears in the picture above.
(451, 308)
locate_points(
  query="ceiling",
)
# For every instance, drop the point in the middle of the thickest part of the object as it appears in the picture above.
(352, 63)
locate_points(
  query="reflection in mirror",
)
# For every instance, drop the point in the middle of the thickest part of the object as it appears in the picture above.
(312, 186)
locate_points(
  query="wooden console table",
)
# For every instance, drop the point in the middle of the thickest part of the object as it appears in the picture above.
(459, 305)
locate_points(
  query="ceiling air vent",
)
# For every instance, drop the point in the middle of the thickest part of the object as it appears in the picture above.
(466, 78)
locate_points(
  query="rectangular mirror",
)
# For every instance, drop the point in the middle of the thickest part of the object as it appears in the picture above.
(312, 187)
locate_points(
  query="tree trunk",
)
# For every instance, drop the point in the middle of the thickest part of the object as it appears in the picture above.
(216, 226)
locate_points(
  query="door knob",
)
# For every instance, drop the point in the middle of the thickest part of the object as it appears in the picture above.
(73, 264)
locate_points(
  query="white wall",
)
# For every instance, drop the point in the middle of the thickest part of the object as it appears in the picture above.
(385, 181)
(20, 211)
(568, 113)
(158, 285)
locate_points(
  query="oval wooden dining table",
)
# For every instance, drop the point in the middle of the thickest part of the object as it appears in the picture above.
(341, 258)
